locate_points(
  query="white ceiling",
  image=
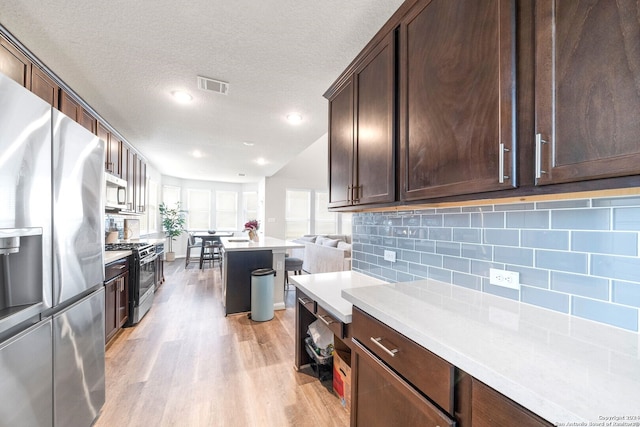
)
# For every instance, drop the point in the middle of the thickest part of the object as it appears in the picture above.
(125, 57)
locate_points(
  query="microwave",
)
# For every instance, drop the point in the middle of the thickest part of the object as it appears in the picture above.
(116, 193)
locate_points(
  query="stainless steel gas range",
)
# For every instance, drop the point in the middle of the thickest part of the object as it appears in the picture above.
(141, 278)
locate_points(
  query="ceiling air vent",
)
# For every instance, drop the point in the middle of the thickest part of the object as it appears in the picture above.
(211, 85)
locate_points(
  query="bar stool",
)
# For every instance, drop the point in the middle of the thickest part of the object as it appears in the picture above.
(291, 264)
(191, 244)
(212, 252)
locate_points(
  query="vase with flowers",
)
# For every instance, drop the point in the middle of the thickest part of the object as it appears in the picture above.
(252, 227)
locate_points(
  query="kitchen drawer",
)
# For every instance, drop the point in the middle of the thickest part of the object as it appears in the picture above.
(383, 398)
(116, 268)
(490, 408)
(336, 326)
(305, 301)
(427, 372)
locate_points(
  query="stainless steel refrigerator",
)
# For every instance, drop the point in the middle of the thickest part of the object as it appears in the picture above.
(51, 265)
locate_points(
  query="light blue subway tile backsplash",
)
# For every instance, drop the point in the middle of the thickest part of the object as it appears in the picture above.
(605, 242)
(622, 268)
(509, 255)
(501, 237)
(545, 239)
(612, 314)
(528, 219)
(580, 257)
(581, 219)
(627, 293)
(563, 261)
(626, 219)
(552, 300)
(586, 286)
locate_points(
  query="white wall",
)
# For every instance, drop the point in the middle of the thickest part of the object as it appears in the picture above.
(309, 170)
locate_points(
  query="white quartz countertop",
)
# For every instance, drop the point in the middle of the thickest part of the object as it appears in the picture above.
(326, 289)
(241, 243)
(110, 256)
(563, 368)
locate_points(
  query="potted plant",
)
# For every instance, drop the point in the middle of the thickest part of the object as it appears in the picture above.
(173, 222)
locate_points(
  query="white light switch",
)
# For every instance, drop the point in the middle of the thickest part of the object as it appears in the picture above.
(390, 256)
(507, 279)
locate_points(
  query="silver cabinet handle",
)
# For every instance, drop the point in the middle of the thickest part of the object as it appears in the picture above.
(501, 175)
(304, 301)
(539, 142)
(391, 352)
(325, 321)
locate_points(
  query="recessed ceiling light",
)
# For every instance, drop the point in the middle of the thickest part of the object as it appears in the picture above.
(249, 144)
(294, 118)
(261, 161)
(196, 153)
(182, 96)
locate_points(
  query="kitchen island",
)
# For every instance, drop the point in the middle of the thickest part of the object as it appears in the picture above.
(240, 256)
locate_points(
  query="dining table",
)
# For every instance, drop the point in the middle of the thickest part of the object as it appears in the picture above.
(206, 237)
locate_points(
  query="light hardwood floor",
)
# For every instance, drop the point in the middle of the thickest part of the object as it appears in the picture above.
(186, 364)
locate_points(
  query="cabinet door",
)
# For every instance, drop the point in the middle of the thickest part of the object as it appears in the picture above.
(457, 95)
(70, 107)
(341, 140)
(122, 291)
(43, 86)
(103, 134)
(382, 398)
(141, 185)
(587, 90)
(490, 408)
(88, 121)
(110, 309)
(14, 64)
(375, 142)
(114, 155)
(131, 178)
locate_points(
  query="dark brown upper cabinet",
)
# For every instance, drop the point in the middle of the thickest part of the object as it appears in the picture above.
(43, 86)
(457, 98)
(15, 64)
(70, 107)
(587, 96)
(361, 131)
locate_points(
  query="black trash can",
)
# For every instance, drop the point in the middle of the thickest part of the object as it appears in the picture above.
(262, 282)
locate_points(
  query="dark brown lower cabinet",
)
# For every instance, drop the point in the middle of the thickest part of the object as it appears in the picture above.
(383, 398)
(488, 408)
(116, 299)
(395, 381)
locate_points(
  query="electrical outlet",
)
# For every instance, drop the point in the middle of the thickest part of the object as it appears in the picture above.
(390, 256)
(507, 279)
(279, 265)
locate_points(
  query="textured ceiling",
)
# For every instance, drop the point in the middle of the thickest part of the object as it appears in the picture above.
(125, 57)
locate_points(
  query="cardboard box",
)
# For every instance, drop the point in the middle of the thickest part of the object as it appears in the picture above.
(342, 377)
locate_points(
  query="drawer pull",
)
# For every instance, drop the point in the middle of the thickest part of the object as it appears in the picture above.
(325, 321)
(391, 353)
(304, 301)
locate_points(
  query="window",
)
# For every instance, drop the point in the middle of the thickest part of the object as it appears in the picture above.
(249, 206)
(198, 209)
(297, 213)
(226, 210)
(345, 219)
(325, 221)
(170, 195)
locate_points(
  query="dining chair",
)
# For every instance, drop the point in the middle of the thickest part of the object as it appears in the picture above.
(191, 244)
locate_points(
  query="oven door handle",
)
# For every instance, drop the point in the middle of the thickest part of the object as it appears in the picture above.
(148, 259)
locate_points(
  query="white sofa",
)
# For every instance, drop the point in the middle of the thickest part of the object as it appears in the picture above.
(324, 254)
